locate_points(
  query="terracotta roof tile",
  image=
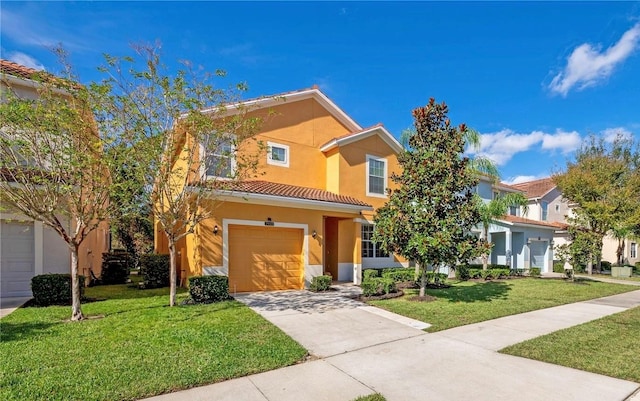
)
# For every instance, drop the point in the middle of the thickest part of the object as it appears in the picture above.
(288, 191)
(522, 220)
(537, 188)
(15, 69)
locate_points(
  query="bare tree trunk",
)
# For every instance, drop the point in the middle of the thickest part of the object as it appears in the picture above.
(172, 272)
(590, 264)
(620, 251)
(76, 309)
(423, 279)
(485, 261)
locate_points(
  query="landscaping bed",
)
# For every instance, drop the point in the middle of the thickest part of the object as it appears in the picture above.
(471, 302)
(607, 346)
(139, 347)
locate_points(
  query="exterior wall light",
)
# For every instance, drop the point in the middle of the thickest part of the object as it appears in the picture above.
(215, 230)
(314, 234)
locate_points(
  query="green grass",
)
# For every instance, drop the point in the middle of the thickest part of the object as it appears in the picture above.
(608, 346)
(371, 397)
(472, 302)
(134, 346)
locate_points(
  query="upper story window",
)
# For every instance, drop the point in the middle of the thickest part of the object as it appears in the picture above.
(633, 248)
(370, 249)
(219, 158)
(376, 176)
(513, 210)
(545, 210)
(277, 154)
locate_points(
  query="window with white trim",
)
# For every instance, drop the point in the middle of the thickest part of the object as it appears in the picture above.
(513, 210)
(545, 210)
(376, 176)
(277, 154)
(219, 157)
(633, 248)
(370, 248)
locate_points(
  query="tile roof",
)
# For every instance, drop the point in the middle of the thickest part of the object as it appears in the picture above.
(288, 191)
(522, 220)
(15, 69)
(537, 188)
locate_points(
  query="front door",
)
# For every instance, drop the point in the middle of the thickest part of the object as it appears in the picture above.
(331, 246)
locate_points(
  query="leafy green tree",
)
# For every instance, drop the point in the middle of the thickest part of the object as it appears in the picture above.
(496, 209)
(429, 217)
(149, 110)
(604, 185)
(53, 164)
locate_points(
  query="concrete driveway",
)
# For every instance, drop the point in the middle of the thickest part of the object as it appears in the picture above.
(8, 305)
(331, 323)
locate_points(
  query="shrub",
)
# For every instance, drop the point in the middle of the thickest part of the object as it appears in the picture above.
(378, 286)
(436, 277)
(320, 283)
(534, 272)
(568, 273)
(605, 265)
(54, 289)
(558, 267)
(115, 267)
(462, 272)
(208, 289)
(400, 275)
(369, 273)
(497, 273)
(155, 270)
(636, 268)
(475, 273)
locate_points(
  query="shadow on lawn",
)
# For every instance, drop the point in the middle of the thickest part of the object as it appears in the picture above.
(22, 331)
(478, 292)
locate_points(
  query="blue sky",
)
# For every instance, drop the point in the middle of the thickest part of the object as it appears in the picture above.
(533, 78)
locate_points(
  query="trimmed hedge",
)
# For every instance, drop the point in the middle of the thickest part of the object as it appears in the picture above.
(494, 273)
(558, 267)
(155, 270)
(115, 267)
(605, 265)
(397, 275)
(378, 286)
(534, 272)
(370, 273)
(209, 289)
(54, 289)
(320, 283)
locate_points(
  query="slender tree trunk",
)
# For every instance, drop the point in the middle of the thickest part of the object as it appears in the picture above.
(423, 279)
(485, 257)
(172, 272)
(76, 309)
(590, 264)
(620, 251)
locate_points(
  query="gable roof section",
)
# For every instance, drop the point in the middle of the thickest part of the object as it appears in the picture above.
(17, 70)
(536, 188)
(377, 129)
(517, 220)
(294, 96)
(288, 195)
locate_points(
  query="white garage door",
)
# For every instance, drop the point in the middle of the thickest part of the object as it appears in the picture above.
(17, 265)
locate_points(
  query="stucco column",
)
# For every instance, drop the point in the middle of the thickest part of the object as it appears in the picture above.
(357, 254)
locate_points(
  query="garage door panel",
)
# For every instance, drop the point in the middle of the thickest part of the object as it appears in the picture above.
(17, 261)
(265, 258)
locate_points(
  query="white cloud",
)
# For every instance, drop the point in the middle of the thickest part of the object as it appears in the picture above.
(588, 64)
(503, 145)
(610, 134)
(524, 178)
(25, 59)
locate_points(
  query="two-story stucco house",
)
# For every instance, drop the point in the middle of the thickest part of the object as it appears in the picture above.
(518, 241)
(547, 204)
(27, 247)
(311, 211)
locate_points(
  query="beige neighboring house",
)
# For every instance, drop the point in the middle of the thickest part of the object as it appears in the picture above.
(27, 247)
(547, 204)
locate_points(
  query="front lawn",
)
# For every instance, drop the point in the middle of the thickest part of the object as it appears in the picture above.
(134, 346)
(608, 346)
(596, 276)
(472, 302)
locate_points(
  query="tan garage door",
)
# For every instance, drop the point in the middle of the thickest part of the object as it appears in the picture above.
(265, 258)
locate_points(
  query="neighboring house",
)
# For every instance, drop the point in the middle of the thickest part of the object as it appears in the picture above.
(311, 211)
(27, 247)
(520, 242)
(547, 204)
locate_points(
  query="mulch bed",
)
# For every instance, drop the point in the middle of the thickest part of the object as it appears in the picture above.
(391, 295)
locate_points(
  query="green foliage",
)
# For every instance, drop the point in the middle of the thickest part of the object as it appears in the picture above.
(462, 272)
(115, 267)
(400, 274)
(208, 289)
(605, 265)
(378, 286)
(534, 272)
(429, 217)
(53, 289)
(320, 283)
(370, 273)
(155, 270)
(558, 267)
(636, 268)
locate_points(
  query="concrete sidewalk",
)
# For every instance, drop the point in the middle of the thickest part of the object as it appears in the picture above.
(456, 364)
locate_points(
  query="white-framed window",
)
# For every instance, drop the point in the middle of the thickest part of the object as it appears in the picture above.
(633, 250)
(545, 210)
(376, 176)
(513, 210)
(370, 249)
(277, 154)
(219, 158)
